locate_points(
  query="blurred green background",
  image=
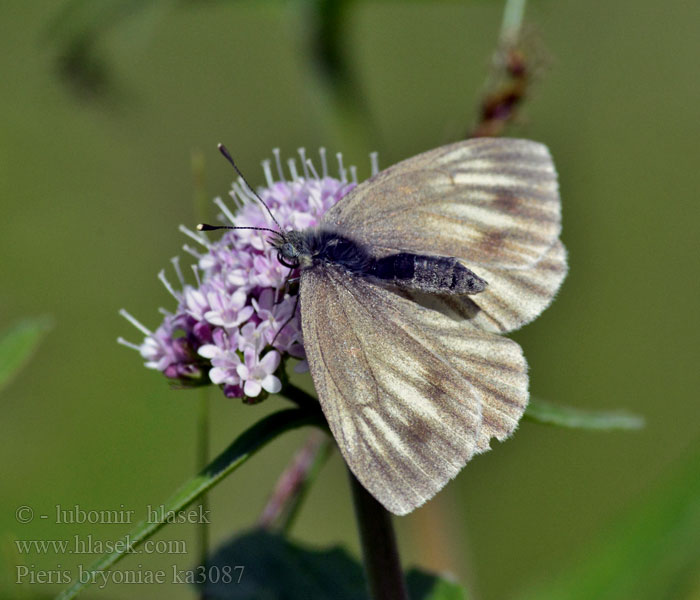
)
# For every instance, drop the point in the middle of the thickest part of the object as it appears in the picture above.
(95, 181)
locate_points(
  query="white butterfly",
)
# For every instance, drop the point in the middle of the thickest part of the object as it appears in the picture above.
(405, 285)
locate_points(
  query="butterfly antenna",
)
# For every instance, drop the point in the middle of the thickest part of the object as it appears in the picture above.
(227, 155)
(207, 227)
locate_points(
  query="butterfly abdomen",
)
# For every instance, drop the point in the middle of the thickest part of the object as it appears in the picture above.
(432, 274)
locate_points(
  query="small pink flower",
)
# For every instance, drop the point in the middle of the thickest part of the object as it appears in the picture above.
(224, 358)
(273, 315)
(227, 310)
(257, 373)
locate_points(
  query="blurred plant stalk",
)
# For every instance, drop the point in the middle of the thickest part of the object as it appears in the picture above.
(510, 76)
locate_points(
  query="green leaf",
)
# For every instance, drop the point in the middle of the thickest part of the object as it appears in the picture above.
(240, 450)
(428, 586)
(266, 565)
(576, 418)
(652, 553)
(18, 343)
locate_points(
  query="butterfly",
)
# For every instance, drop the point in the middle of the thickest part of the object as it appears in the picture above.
(406, 286)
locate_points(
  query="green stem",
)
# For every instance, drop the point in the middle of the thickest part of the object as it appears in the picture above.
(333, 83)
(203, 426)
(513, 14)
(379, 550)
(202, 460)
(509, 78)
(300, 397)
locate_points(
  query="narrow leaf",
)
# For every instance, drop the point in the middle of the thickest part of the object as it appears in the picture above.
(651, 553)
(576, 418)
(240, 450)
(18, 343)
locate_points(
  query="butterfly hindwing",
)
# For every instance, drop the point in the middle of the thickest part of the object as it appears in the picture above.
(409, 393)
(513, 297)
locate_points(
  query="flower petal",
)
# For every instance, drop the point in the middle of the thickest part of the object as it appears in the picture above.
(252, 388)
(270, 361)
(271, 384)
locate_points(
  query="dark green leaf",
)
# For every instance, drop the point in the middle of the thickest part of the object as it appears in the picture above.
(242, 448)
(428, 586)
(576, 418)
(18, 343)
(265, 565)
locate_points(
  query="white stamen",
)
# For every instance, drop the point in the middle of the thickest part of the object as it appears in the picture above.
(224, 209)
(302, 153)
(166, 283)
(353, 174)
(123, 342)
(268, 173)
(276, 152)
(199, 238)
(293, 169)
(238, 196)
(142, 328)
(246, 193)
(191, 251)
(195, 268)
(164, 312)
(374, 161)
(235, 196)
(324, 163)
(176, 265)
(341, 168)
(312, 169)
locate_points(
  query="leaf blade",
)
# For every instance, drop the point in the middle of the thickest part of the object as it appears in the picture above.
(238, 452)
(546, 413)
(18, 343)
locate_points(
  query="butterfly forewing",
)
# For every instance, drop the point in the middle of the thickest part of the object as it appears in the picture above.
(409, 393)
(492, 203)
(486, 201)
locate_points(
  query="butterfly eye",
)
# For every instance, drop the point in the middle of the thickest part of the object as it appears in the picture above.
(287, 250)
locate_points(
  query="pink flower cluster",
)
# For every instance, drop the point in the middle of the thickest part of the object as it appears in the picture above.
(226, 327)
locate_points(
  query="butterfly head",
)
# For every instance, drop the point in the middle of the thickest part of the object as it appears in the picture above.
(292, 249)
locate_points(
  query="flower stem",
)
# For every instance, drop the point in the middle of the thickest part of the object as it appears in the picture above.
(513, 14)
(300, 397)
(379, 550)
(202, 461)
(292, 485)
(510, 77)
(203, 426)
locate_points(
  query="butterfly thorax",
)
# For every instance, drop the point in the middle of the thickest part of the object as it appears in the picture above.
(314, 247)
